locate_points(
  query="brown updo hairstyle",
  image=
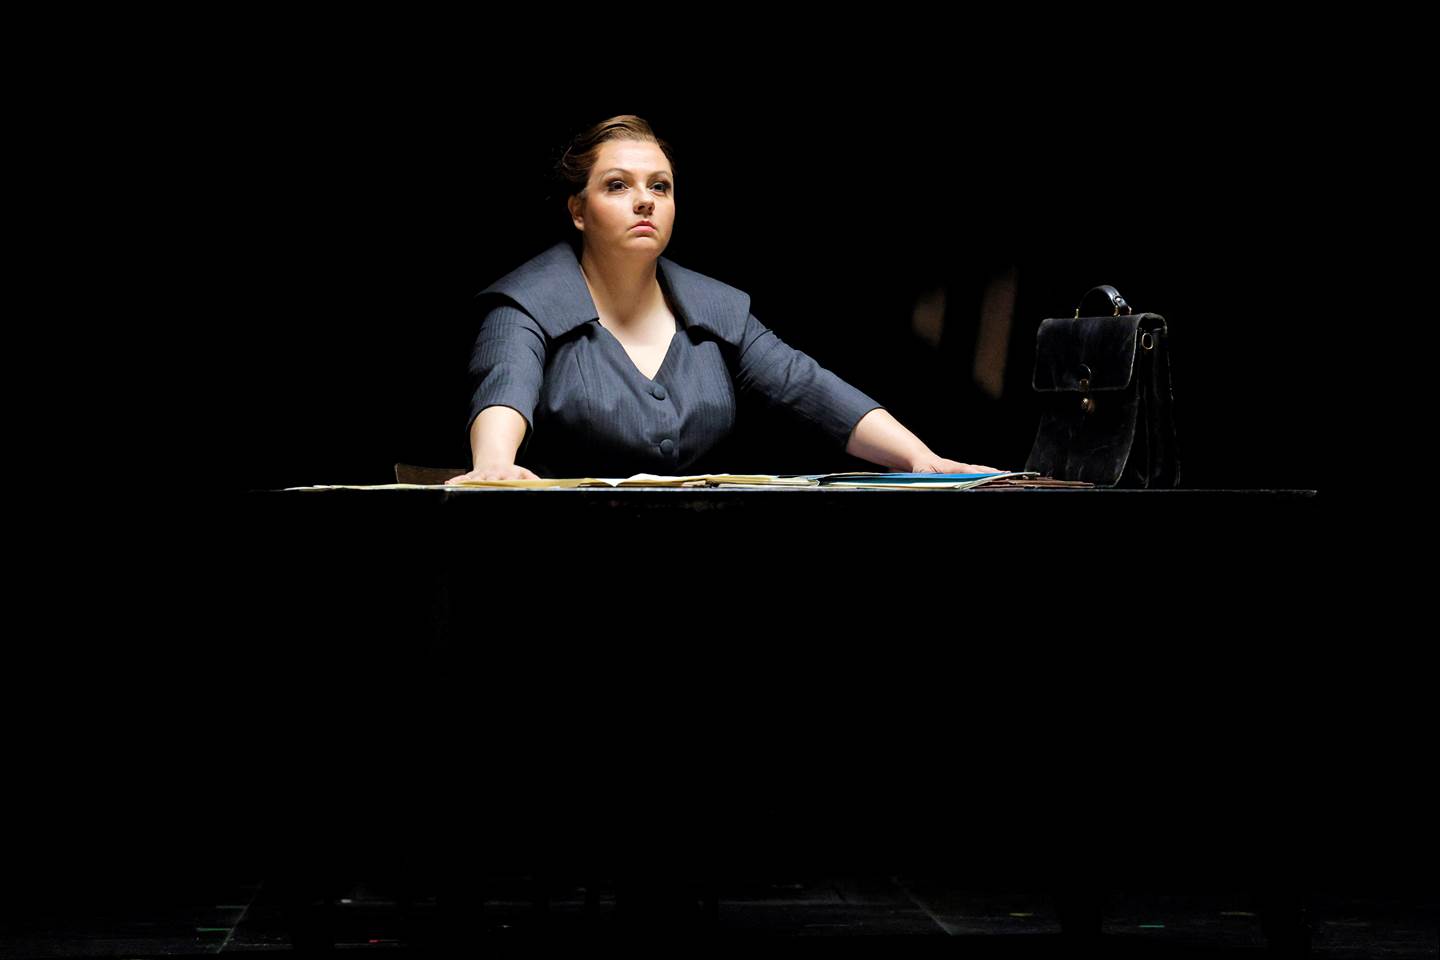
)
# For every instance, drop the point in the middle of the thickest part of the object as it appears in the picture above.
(573, 168)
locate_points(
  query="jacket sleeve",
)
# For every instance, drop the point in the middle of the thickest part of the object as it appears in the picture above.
(791, 379)
(507, 366)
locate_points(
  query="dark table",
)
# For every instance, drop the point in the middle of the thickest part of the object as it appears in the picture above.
(1064, 689)
(1019, 681)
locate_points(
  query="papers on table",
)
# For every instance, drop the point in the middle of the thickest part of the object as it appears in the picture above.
(851, 480)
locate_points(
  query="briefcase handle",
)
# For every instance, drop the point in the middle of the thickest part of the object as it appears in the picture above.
(1116, 300)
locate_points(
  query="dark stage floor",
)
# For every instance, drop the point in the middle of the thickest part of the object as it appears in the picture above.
(872, 915)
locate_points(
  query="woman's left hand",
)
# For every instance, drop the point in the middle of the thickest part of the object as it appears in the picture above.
(942, 465)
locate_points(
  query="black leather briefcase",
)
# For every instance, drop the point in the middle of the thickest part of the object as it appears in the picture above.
(1107, 412)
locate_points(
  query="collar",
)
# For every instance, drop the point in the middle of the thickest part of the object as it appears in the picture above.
(551, 288)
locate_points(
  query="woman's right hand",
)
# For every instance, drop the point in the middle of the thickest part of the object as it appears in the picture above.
(495, 471)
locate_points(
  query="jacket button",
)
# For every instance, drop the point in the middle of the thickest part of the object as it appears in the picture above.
(666, 446)
(658, 392)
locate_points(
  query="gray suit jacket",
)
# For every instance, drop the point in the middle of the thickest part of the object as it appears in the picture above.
(588, 409)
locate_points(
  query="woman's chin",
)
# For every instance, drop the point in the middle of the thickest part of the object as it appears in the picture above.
(642, 246)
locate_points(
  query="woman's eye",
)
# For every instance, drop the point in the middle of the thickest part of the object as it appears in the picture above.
(658, 183)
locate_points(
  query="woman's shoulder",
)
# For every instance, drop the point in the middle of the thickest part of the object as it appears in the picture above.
(542, 270)
(549, 288)
(713, 304)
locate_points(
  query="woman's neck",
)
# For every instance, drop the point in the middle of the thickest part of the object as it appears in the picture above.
(625, 289)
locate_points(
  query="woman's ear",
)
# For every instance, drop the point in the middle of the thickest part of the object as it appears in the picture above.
(577, 208)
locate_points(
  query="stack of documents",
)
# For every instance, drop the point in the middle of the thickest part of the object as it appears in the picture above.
(851, 480)
(938, 481)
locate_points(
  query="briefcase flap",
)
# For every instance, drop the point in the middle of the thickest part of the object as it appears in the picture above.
(1098, 349)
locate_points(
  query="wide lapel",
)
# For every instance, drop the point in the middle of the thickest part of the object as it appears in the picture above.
(551, 288)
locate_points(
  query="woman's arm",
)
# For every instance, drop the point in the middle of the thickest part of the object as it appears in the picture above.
(880, 438)
(495, 435)
(793, 380)
(507, 367)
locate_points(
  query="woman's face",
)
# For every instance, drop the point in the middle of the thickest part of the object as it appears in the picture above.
(630, 182)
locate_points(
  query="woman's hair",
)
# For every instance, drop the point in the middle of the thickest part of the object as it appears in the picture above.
(578, 159)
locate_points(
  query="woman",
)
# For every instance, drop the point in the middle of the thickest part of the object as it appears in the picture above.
(618, 361)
